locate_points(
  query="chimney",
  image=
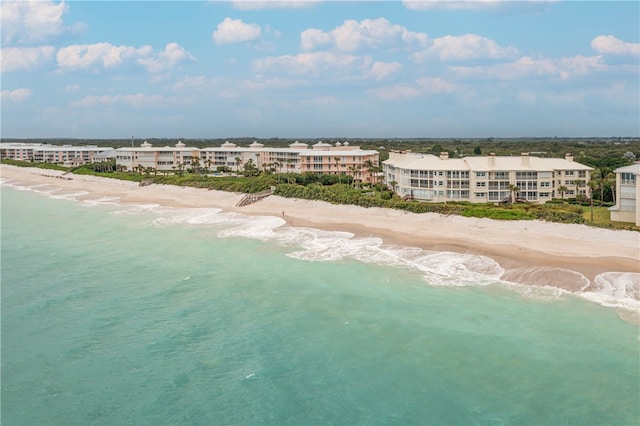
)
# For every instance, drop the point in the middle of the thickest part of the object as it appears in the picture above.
(525, 159)
(444, 155)
(568, 156)
(492, 159)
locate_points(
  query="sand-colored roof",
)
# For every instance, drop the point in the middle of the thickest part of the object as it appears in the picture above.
(415, 161)
(634, 168)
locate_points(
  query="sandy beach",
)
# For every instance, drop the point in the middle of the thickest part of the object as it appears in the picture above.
(520, 247)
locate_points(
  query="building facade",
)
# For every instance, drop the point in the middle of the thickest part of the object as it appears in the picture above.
(627, 195)
(63, 155)
(426, 177)
(321, 158)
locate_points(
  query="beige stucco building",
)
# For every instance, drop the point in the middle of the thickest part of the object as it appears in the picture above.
(627, 195)
(321, 158)
(63, 155)
(491, 178)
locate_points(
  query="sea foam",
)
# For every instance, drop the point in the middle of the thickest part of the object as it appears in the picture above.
(438, 268)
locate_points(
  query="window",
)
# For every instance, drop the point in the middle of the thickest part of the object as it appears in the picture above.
(627, 179)
(568, 173)
(481, 184)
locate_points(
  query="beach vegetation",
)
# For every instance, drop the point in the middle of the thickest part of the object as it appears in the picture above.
(48, 166)
(340, 189)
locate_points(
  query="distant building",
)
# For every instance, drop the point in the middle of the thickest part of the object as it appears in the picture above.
(627, 195)
(321, 158)
(426, 177)
(176, 157)
(63, 155)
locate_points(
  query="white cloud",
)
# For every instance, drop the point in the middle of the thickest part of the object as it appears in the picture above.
(138, 100)
(33, 21)
(24, 58)
(313, 63)
(610, 45)
(400, 92)
(72, 88)
(272, 4)
(235, 31)
(527, 67)
(172, 54)
(382, 70)
(87, 56)
(368, 33)
(83, 56)
(450, 4)
(466, 46)
(189, 83)
(17, 95)
(328, 64)
(423, 86)
(524, 5)
(436, 85)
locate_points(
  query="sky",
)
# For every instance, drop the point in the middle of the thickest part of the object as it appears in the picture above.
(310, 69)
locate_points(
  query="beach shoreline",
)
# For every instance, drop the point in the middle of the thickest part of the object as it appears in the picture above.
(520, 247)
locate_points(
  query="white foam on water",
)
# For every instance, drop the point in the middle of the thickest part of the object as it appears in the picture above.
(611, 289)
(68, 195)
(616, 290)
(111, 201)
(43, 188)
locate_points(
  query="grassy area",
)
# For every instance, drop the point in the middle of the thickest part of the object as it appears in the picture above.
(602, 218)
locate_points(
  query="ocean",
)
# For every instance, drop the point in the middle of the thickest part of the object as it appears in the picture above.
(148, 315)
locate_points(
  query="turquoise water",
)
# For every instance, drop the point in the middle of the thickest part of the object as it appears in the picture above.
(121, 315)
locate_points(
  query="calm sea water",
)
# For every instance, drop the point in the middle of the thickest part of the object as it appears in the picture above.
(148, 315)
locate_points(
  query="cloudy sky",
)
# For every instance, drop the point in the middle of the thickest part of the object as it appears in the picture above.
(117, 69)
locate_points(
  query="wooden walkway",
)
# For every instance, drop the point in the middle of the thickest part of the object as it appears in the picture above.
(252, 198)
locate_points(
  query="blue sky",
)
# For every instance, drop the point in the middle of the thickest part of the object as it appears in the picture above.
(306, 69)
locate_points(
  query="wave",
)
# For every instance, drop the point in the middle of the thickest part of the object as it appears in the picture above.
(437, 268)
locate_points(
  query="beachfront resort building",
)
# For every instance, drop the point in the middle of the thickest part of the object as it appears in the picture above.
(427, 177)
(321, 158)
(627, 195)
(63, 155)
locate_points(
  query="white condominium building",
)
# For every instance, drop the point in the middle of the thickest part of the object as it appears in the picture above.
(627, 195)
(321, 158)
(426, 177)
(63, 155)
(146, 156)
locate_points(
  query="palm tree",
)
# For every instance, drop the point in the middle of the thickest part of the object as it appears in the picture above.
(238, 161)
(207, 164)
(368, 164)
(513, 190)
(579, 184)
(593, 185)
(337, 160)
(562, 189)
(610, 181)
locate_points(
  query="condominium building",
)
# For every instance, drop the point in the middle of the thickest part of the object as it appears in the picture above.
(321, 158)
(627, 195)
(427, 177)
(145, 156)
(63, 155)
